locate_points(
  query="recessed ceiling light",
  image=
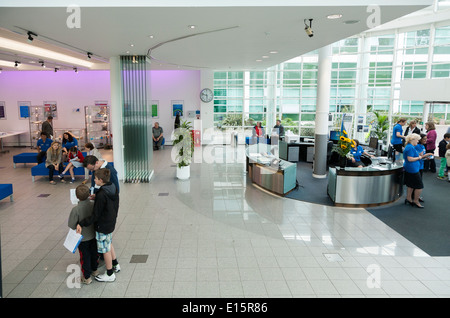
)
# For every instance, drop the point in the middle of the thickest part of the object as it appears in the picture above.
(334, 16)
(150, 36)
(131, 45)
(265, 57)
(273, 52)
(258, 60)
(191, 26)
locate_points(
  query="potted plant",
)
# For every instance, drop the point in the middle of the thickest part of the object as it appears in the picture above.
(183, 149)
(381, 126)
(343, 147)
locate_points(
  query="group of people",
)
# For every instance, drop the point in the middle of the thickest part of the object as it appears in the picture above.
(418, 156)
(95, 218)
(96, 213)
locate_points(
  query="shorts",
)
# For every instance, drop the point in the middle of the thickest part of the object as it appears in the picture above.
(103, 242)
(398, 147)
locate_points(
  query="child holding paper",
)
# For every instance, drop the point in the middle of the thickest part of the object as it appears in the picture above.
(106, 207)
(88, 245)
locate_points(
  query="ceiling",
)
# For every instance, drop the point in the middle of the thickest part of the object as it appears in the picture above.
(225, 37)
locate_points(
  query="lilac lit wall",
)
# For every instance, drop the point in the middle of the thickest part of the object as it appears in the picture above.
(74, 90)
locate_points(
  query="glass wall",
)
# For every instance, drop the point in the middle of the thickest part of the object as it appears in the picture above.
(366, 76)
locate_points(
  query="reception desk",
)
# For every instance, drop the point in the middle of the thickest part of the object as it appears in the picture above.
(378, 184)
(269, 172)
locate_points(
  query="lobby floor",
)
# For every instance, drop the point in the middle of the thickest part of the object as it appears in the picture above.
(215, 235)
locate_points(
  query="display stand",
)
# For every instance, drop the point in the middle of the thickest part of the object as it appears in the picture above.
(98, 126)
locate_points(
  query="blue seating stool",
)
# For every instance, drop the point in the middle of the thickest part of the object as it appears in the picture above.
(6, 190)
(25, 157)
(163, 142)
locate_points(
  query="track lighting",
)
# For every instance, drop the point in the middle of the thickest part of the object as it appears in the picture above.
(42, 63)
(308, 29)
(16, 64)
(89, 54)
(75, 69)
(30, 36)
(56, 69)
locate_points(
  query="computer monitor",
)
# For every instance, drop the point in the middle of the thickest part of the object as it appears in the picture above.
(373, 143)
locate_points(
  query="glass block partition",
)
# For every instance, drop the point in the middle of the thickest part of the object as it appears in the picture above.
(137, 119)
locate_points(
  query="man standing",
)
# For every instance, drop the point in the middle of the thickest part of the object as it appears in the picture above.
(47, 127)
(279, 128)
(42, 146)
(157, 136)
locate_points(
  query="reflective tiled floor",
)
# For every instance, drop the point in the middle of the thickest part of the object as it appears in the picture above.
(215, 235)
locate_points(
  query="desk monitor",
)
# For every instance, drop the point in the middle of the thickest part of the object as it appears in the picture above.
(373, 143)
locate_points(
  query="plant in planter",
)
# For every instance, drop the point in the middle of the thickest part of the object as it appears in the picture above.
(183, 149)
(343, 147)
(381, 126)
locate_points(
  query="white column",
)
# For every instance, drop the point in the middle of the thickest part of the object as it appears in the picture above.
(322, 109)
(116, 115)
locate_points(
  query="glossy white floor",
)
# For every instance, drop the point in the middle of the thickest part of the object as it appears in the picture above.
(215, 235)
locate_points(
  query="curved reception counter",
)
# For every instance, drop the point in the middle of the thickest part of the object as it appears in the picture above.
(268, 171)
(378, 184)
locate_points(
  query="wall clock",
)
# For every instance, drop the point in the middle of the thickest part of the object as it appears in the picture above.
(206, 95)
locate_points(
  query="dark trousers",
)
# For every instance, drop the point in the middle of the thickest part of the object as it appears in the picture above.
(51, 170)
(429, 165)
(88, 257)
(41, 156)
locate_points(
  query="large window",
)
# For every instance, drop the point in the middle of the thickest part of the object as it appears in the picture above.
(290, 89)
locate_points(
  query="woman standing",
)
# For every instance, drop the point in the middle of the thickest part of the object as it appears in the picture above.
(430, 165)
(412, 128)
(397, 137)
(54, 162)
(177, 121)
(411, 164)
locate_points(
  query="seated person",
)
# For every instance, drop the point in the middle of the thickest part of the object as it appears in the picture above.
(279, 129)
(157, 136)
(75, 160)
(42, 145)
(68, 141)
(357, 152)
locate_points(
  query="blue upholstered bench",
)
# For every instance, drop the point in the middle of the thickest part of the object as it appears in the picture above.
(25, 157)
(6, 190)
(42, 170)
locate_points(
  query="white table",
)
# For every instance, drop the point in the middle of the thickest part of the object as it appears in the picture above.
(6, 134)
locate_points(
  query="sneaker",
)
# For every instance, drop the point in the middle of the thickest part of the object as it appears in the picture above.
(62, 179)
(52, 182)
(116, 268)
(84, 181)
(95, 273)
(86, 281)
(105, 278)
(441, 178)
(72, 181)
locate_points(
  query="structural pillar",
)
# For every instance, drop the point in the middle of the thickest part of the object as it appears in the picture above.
(322, 109)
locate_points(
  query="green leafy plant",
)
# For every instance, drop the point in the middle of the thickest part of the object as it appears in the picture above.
(184, 144)
(381, 126)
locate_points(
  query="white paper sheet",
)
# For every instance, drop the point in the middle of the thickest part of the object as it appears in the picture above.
(72, 241)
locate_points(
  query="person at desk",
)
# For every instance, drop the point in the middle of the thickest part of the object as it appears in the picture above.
(397, 137)
(411, 164)
(357, 151)
(258, 131)
(279, 129)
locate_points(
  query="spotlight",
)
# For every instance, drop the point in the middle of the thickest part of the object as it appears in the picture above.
(56, 69)
(16, 64)
(89, 54)
(30, 36)
(42, 63)
(1, 70)
(308, 29)
(75, 69)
